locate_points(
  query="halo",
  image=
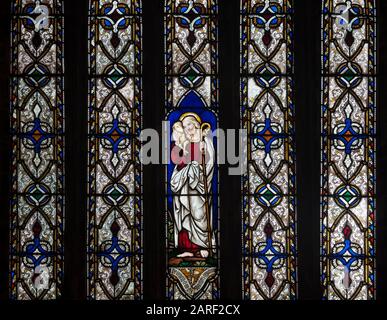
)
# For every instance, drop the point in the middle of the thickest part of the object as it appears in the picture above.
(190, 114)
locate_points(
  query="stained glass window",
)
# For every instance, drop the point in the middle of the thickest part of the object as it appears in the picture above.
(191, 58)
(348, 149)
(37, 131)
(268, 187)
(115, 181)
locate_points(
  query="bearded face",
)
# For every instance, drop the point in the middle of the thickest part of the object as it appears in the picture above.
(191, 129)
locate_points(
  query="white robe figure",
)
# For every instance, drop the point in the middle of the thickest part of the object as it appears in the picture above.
(187, 184)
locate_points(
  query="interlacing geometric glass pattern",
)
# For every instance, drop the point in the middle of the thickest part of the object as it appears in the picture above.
(114, 169)
(191, 66)
(268, 187)
(37, 131)
(348, 149)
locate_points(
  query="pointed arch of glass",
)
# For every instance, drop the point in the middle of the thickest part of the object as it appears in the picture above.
(348, 117)
(114, 169)
(268, 115)
(37, 133)
(191, 80)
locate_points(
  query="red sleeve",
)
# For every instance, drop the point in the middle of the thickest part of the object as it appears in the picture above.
(196, 154)
(177, 157)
